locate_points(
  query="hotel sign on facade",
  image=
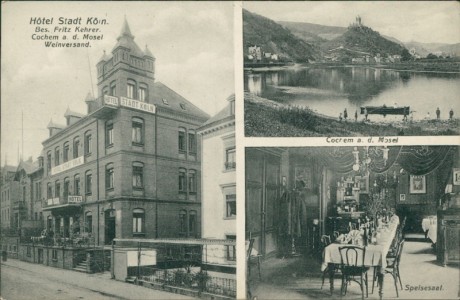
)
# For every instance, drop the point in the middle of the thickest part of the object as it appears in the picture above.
(130, 103)
(67, 165)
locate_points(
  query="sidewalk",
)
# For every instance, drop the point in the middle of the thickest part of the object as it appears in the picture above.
(18, 277)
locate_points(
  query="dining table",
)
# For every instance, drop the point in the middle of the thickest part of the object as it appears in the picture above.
(375, 254)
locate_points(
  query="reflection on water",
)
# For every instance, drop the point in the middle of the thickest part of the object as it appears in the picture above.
(331, 90)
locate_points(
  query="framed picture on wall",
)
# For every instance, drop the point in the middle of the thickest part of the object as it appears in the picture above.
(402, 197)
(456, 176)
(417, 184)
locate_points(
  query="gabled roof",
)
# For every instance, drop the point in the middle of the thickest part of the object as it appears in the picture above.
(174, 100)
(223, 114)
(28, 166)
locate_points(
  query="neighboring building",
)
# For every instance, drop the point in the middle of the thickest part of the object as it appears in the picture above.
(9, 192)
(131, 167)
(27, 210)
(219, 183)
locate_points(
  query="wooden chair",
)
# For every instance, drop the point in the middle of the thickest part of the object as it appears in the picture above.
(352, 258)
(393, 268)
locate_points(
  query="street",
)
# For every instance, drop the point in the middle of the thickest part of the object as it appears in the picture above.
(21, 280)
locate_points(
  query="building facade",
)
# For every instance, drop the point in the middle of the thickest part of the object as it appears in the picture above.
(27, 209)
(131, 167)
(9, 192)
(219, 183)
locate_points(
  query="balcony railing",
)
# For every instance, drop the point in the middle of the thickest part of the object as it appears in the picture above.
(64, 200)
(183, 263)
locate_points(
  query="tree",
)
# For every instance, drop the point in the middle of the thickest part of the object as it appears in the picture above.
(405, 55)
(431, 56)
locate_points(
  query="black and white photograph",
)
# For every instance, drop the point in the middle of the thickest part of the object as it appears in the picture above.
(333, 239)
(123, 123)
(118, 150)
(351, 68)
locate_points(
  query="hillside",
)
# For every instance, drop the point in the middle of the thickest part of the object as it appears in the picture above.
(362, 38)
(423, 49)
(274, 38)
(313, 32)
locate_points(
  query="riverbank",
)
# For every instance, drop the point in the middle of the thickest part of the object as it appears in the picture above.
(264, 117)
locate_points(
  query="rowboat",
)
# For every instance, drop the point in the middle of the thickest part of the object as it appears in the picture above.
(385, 110)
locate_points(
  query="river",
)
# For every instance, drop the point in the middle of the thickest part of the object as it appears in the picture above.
(331, 90)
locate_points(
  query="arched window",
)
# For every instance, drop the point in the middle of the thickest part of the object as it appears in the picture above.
(183, 222)
(88, 183)
(48, 161)
(113, 88)
(109, 176)
(89, 222)
(130, 88)
(66, 187)
(138, 175)
(66, 152)
(56, 156)
(77, 185)
(192, 223)
(192, 181)
(138, 220)
(57, 189)
(88, 143)
(49, 191)
(137, 134)
(142, 92)
(182, 180)
(76, 147)
(191, 141)
(182, 140)
(108, 133)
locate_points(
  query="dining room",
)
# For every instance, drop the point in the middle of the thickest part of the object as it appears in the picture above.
(353, 222)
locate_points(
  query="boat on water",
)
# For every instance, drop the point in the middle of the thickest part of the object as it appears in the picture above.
(385, 110)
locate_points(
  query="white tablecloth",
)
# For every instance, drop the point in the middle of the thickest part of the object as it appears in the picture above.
(428, 222)
(375, 254)
(433, 233)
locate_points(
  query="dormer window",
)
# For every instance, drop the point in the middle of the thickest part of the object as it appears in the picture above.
(182, 105)
(165, 101)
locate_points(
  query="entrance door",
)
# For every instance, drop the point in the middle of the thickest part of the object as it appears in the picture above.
(40, 255)
(109, 226)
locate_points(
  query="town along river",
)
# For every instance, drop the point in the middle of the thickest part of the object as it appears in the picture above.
(329, 91)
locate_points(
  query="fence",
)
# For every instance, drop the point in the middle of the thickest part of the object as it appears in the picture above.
(200, 266)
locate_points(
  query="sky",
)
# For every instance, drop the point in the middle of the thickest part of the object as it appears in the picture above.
(421, 21)
(192, 44)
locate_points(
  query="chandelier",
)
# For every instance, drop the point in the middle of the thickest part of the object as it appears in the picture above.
(363, 160)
